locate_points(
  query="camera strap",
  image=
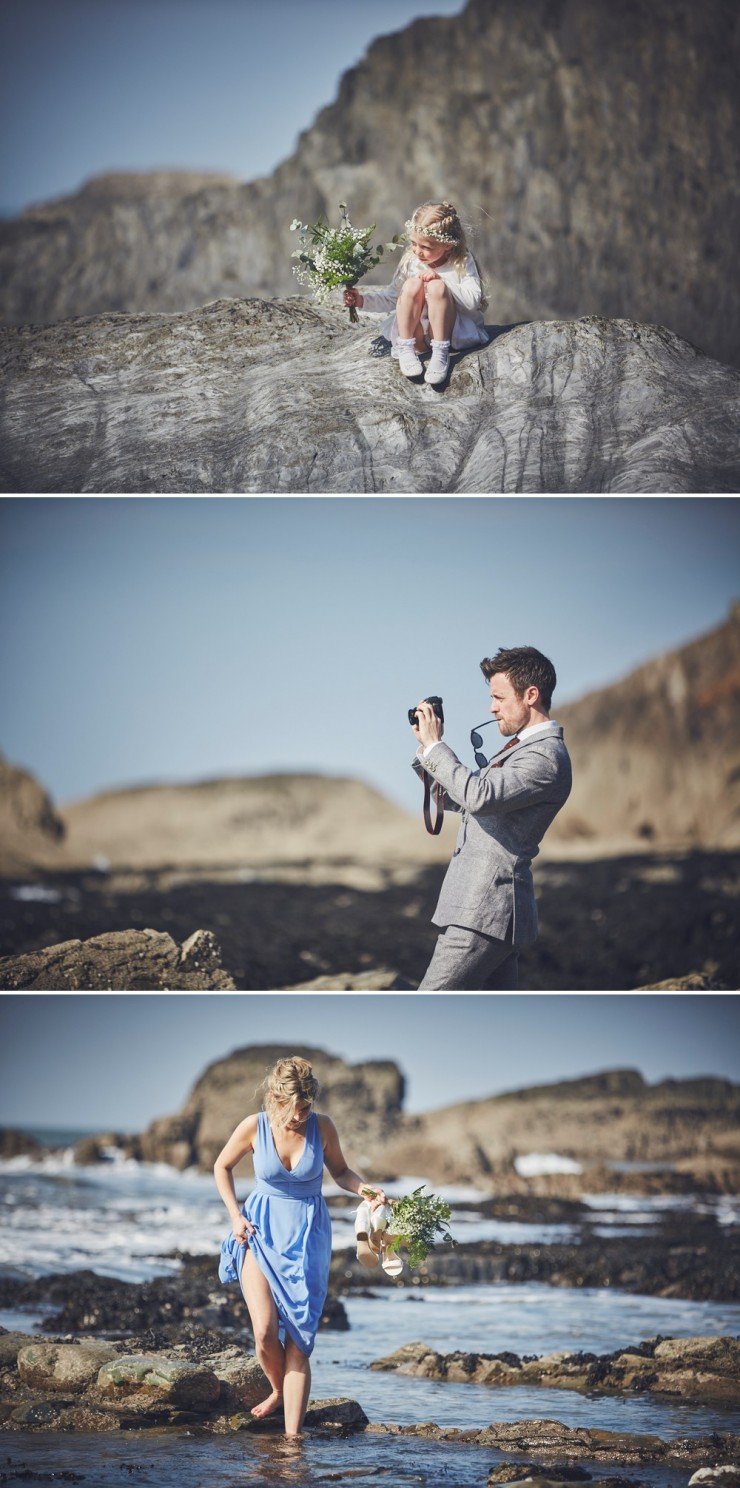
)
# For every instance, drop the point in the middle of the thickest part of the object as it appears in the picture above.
(439, 795)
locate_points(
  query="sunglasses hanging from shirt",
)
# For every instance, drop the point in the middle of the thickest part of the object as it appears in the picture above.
(477, 743)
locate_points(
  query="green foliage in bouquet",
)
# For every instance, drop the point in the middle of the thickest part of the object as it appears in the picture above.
(332, 258)
(417, 1220)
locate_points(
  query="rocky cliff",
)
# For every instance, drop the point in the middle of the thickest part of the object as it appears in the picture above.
(593, 146)
(612, 1117)
(31, 830)
(601, 1118)
(255, 395)
(365, 1100)
(657, 755)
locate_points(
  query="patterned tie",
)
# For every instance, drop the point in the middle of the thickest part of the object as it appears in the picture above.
(496, 764)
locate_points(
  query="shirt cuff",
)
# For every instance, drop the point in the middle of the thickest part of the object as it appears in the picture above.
(424, 752)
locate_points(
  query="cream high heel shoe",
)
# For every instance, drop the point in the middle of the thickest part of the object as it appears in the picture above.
(367, 1253)
(389, 1260)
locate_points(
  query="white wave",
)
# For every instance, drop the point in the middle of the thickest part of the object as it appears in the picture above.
(35, 893)
(536, 1164)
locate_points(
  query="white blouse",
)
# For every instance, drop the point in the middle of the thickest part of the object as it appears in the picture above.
(464, 287)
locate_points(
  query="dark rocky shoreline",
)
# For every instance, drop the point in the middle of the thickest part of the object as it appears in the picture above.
(691, 1259)
(609, 924)
(189, 1310)
(690, 1368)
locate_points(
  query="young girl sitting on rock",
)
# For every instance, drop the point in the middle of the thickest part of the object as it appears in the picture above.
(435, 294)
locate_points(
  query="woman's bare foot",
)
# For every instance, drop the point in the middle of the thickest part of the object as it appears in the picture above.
(266, 1407)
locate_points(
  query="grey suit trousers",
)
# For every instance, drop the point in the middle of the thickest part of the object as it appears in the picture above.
(468, 961)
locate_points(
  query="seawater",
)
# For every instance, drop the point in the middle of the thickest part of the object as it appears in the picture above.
(123, 1218)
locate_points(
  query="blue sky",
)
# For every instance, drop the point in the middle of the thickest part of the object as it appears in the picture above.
(103, 1061)
(95, 85)
(155, 638)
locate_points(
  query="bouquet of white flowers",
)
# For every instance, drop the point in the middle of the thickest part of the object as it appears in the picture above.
(415, 1222)
(335, 257)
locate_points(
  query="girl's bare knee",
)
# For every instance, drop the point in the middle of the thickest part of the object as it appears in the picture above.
(436, 289)
(412, 287)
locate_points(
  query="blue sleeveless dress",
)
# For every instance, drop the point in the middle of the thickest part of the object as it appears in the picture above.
(292, 1243)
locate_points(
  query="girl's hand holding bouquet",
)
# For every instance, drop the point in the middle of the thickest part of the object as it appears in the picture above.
(332, 258)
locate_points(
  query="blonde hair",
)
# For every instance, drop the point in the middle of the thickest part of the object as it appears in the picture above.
(290, 1083)
(440, 222)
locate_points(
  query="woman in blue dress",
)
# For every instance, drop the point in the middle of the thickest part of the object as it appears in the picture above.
(279, 1248)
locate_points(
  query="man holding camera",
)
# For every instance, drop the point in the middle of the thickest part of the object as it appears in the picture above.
(487, 907)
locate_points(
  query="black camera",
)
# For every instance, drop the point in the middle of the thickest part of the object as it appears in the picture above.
(436, 708)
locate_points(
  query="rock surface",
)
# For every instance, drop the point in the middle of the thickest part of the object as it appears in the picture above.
(96, 1387)
(552, 1440)
(603, 1117)
(251, 395)
(126, 960)
(682, 707)
(610, 1116)
(63, 1366)
(365, 1099)
(189, 1315)
(149, 1377)
(699, 1266)
(593, 149)
(30, 827)
(693, 1368)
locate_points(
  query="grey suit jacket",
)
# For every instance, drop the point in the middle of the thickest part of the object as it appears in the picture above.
(506, 810)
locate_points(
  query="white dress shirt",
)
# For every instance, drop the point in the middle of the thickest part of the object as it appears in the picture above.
(526, 733)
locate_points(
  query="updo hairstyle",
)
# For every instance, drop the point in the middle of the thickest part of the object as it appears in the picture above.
(290, 1083)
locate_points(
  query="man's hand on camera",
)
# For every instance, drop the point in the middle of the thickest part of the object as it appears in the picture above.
(428, 727)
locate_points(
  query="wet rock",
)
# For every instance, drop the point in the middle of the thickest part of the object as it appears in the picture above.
(334, 1316)
(243, 1383)
(91, 1150)
(153, 1378)
(127, 960)
(340, 1414)
(694, 1368)
(596, 405)
(49, 1415)
(551, 1438)
(557, 1472)
(551, 1477)
(704, 1265)
(188, 1313)
(14, 1143)
(10, 1346)
(63, 1366)
(716, 1477)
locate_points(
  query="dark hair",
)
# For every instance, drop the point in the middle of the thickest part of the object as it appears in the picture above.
(525, 667)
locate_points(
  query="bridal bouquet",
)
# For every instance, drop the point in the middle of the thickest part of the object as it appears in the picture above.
(335, 257)
(416, 1221)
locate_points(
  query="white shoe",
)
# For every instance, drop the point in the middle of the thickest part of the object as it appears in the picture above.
(439, 365)
(391, 1261)
(367, 1255)
(380, 1217)
(408, 361)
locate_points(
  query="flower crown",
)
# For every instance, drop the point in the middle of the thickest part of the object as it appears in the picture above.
(428, 231)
